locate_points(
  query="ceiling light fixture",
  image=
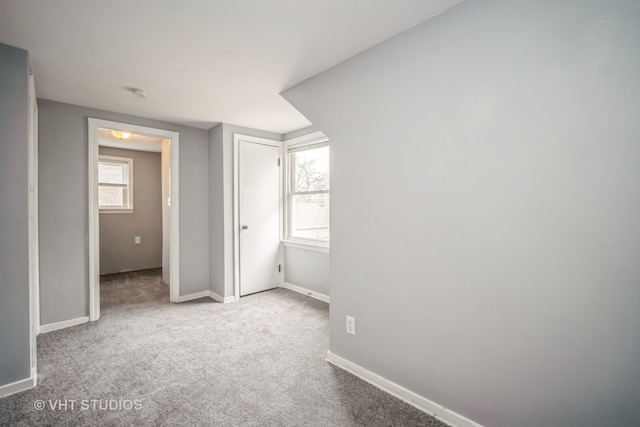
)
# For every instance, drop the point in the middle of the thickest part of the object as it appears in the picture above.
(120, 135)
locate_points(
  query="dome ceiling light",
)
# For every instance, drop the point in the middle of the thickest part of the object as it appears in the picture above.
(120, 135)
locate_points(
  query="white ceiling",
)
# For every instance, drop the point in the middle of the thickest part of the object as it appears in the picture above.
(134, 142)
(201, 62)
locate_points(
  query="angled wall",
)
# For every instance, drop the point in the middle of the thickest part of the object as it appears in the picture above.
(485, 204)
(14, 238)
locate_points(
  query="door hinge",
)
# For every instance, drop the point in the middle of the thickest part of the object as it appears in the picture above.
(278, 161)
(279, 268)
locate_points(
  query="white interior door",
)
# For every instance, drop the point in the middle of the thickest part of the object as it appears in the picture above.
(259, 216)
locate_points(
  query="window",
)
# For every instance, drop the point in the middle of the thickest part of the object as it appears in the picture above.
(115, 184)
(308, 193)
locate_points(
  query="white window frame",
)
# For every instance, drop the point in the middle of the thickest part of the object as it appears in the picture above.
(129, 186)
(297, 242)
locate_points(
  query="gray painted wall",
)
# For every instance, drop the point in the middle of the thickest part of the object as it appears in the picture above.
(63, 155)
(118, 230)
(216, 212)
(221, 203)
(14, 238)
(307, 268)
(484, 212)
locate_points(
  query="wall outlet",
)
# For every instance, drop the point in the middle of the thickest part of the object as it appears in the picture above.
(137, 240)
(351, 325)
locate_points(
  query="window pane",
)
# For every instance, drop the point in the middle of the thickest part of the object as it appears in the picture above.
(111, 196)
(112, 173)
(311, 169)
(310, 217)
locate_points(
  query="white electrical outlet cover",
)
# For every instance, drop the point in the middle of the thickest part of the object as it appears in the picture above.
(351, 325)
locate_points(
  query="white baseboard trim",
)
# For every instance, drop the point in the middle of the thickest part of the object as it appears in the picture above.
(203, 294)
(61, 325)
(18, 386)
(128, 270)
(308, 292)
(189, 297)
(443, 414)
(219, 298)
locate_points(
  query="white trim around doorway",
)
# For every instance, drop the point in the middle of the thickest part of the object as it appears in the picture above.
(94, 225)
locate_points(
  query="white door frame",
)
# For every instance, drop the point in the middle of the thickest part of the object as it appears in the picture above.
(34, 245)
(236, 205)
(94, 224)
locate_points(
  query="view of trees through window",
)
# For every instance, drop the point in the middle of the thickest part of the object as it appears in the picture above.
(309, 194)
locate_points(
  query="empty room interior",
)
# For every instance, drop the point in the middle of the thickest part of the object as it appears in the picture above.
(323, 213)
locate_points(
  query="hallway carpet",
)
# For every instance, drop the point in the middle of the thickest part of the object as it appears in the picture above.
(257, 362)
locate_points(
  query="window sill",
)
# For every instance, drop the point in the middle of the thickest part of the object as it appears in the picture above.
(318, 247)
(114, 211)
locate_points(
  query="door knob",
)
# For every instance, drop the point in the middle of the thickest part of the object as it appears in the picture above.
(245, 227)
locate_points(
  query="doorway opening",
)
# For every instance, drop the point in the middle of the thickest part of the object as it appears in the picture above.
(107, 142)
